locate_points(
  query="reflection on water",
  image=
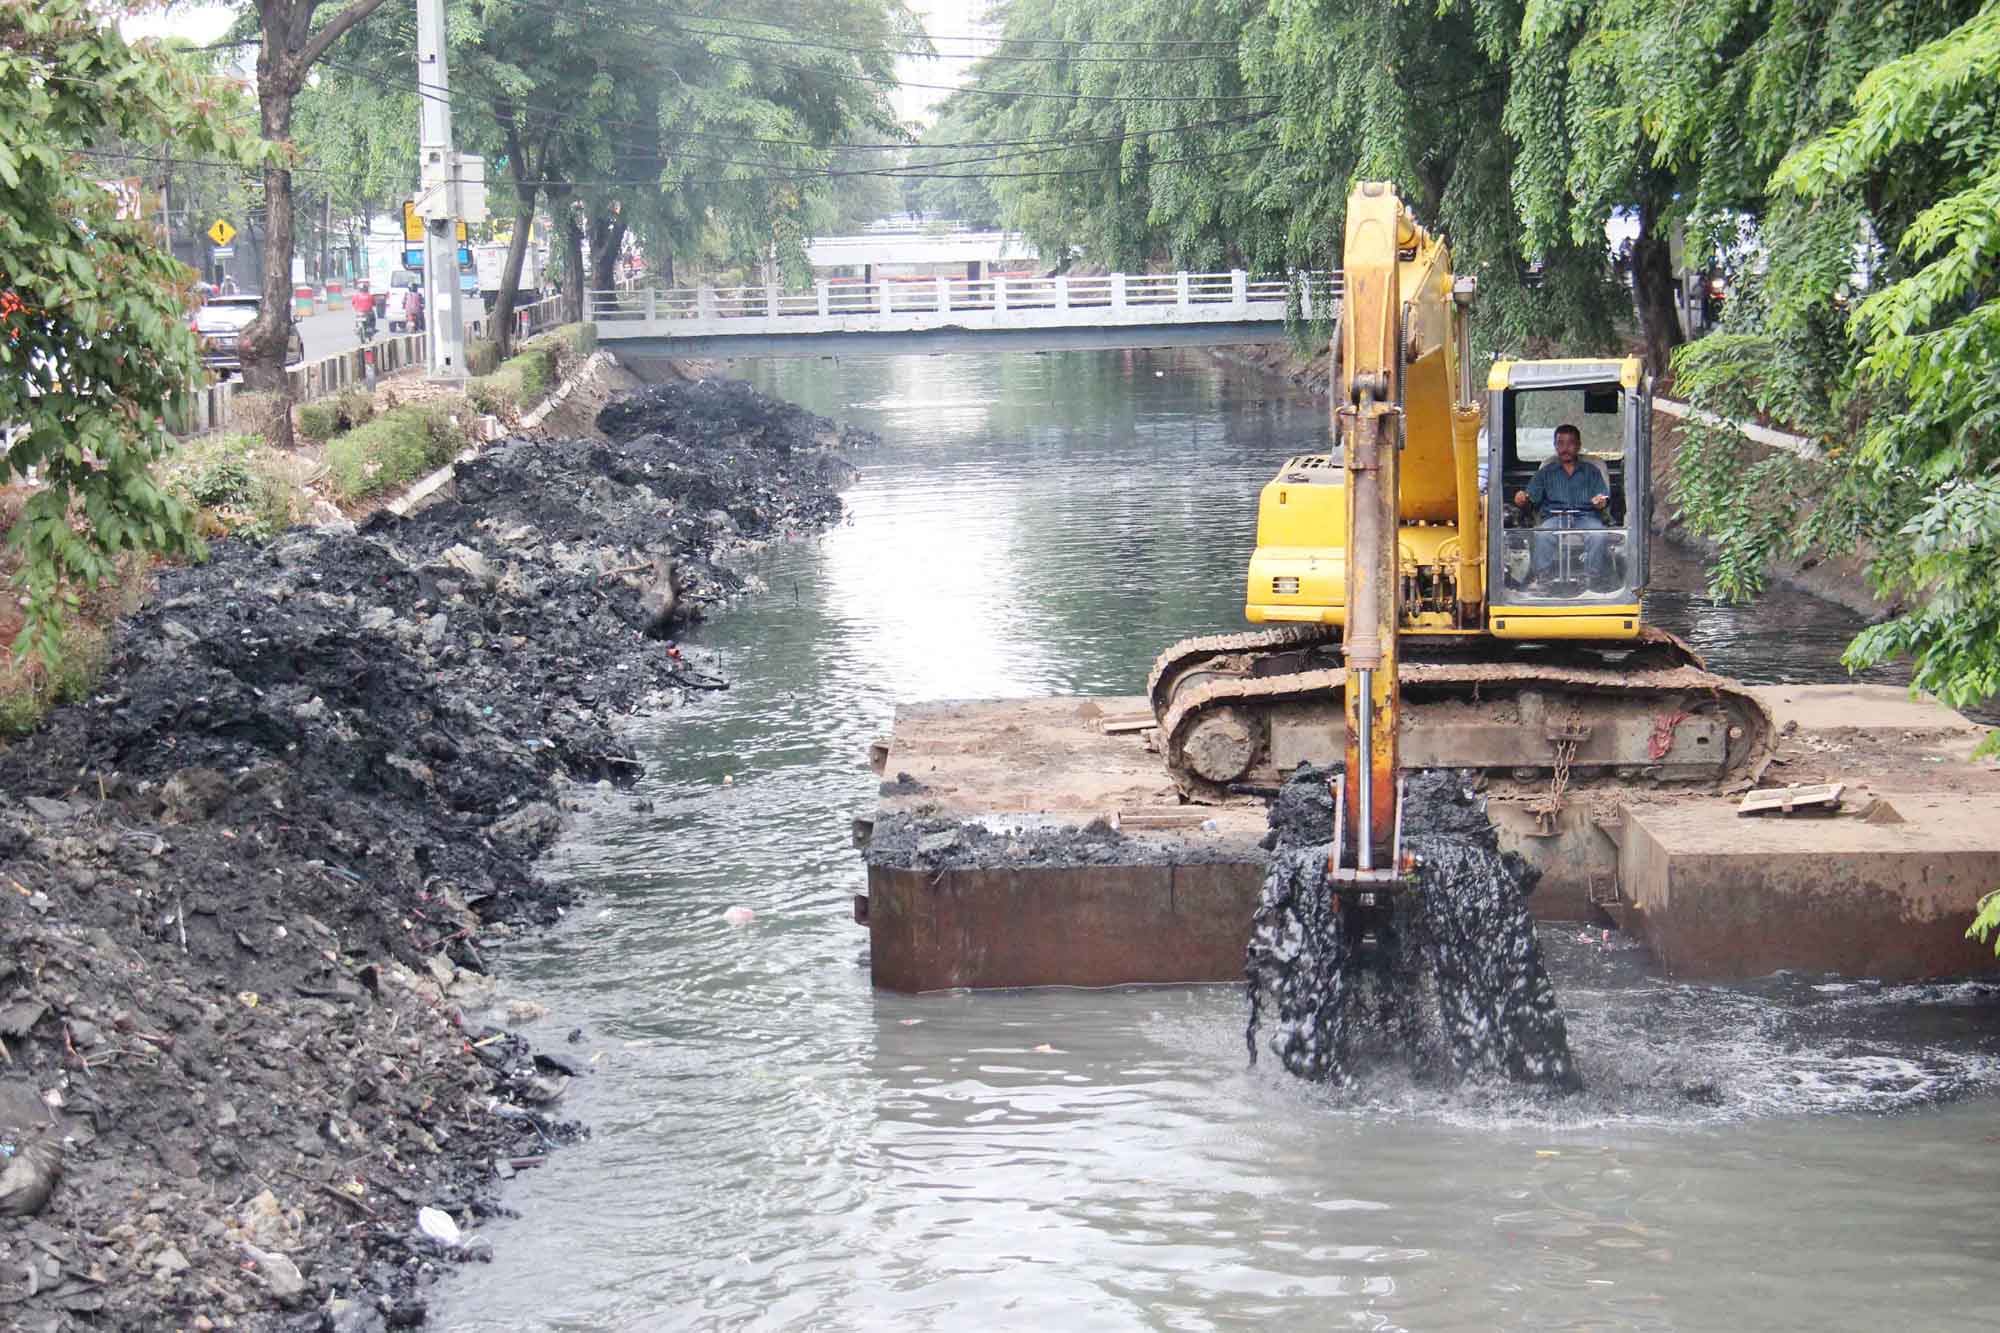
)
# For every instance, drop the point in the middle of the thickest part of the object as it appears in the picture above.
(775, 1145)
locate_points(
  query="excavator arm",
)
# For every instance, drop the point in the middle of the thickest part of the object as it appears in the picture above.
(1369, 425)
(1404, 393)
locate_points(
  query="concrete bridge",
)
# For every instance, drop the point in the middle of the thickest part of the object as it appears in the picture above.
(945, 314)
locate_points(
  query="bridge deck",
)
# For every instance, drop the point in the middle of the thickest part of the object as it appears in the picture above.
(1134, 301)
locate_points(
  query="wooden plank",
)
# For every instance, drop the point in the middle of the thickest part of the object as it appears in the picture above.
(1816, 797)
(1164, 818)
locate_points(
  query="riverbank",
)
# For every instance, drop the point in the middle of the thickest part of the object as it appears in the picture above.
(246, 887)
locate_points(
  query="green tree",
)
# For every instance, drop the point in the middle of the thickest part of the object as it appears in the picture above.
(1229, 135)
(357, 141)
(651, 119)
(96, 347)
(943, 193)
(1896, 373)
(293, 36)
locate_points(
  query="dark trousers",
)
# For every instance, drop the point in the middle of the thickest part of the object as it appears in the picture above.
(1548, 560)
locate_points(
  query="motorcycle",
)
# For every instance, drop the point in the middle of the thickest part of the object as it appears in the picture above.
(364, 325)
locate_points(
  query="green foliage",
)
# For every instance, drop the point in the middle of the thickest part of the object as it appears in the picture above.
(520, 381)
(524, 380)
(318, 421)
(355, 405)
(1246, 161)
(482, 355)
(393, 450)
(534, 370)
(492, 396)
(225, 480)
(1986, 925)
(94, 344)
(1904, 391)
(30, 688)
(242, 485)
(703, 137)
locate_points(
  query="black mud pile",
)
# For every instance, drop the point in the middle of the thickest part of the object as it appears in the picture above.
(908, 841)
(244, 891)
(917, 840)
(1453, 984)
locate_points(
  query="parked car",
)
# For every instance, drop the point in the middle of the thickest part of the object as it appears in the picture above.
(219, 324)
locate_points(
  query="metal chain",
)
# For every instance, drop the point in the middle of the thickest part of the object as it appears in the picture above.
(1559, 778)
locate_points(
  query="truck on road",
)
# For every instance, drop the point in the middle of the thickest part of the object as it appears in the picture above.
(491, 263)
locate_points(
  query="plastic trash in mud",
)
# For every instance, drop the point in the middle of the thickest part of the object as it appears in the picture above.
(439, 1226)
(30, 1177)
(1453, 983)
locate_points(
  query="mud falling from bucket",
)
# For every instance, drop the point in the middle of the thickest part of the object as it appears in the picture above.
(1452, 981)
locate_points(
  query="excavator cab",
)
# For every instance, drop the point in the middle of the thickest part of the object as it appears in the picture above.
(1570, 570)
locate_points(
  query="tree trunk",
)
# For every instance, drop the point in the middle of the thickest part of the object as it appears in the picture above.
(667, 267)
(573, 275)
(510, 277)
(1653, 285)
(264, 341)
(524, 226)
(289, 48)
(607, 243)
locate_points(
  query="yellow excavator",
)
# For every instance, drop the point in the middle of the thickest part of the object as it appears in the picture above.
(1414, 613)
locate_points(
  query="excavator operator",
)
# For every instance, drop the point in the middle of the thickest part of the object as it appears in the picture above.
(1568, 494)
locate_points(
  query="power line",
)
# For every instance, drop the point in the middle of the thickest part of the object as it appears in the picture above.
(556, 114)
(1040, 58)
(787, 178)
(999, 39)
(1246, 118)
(966, 175)
(883, 81)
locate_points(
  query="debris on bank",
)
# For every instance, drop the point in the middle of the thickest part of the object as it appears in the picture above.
(934, 840)
(250, 1049)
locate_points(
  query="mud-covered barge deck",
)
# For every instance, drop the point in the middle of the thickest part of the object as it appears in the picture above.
(1039, 842)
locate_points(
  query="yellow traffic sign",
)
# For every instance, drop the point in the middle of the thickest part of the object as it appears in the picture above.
(222, 233)
(413, 226)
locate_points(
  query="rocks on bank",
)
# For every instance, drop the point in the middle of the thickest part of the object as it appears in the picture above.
(246, 891)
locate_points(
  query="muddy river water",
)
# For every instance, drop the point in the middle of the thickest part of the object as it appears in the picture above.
(775, 1145)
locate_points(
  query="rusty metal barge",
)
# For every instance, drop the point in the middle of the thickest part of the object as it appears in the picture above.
(1040, 842)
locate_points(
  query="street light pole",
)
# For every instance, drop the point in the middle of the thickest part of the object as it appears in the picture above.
(439, 203)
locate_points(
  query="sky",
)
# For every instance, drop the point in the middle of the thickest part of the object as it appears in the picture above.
(950, 18)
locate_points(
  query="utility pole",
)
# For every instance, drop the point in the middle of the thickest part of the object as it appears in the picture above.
(439, 204)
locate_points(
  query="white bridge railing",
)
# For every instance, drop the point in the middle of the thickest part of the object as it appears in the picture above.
(901, 305)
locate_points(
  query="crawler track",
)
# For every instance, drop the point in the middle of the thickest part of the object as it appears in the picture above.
(1182, 657)
(1659, 683)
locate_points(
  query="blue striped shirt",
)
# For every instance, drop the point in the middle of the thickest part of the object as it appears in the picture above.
(1554, 488)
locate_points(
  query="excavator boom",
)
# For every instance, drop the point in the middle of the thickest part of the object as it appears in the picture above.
(1369, 425)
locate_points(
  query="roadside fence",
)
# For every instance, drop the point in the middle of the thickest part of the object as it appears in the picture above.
(210, 406)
